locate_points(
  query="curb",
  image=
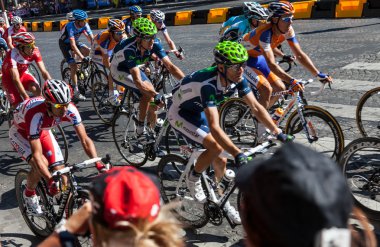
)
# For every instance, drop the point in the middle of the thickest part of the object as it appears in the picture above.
(312, 9)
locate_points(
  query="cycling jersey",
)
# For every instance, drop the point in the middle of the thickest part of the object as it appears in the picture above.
(32, 121)
(2, 31)
(10, 31)
(163, 28)
(71, 31)
(103, 44)
(197, 91)
(242, 28)
(13, 59)
(128, 26)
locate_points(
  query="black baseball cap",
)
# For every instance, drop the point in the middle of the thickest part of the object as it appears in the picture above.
(293, 195)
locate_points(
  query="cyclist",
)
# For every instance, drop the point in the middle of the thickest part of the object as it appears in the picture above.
(15, 28)
(128, 54)
(69, 41)
(235, 19)
(70, 17)
(260, 43)
(135, 12)
(16, 78)
(158, 18)
(194, 114)
(31, 136)
(102, 48)
(3, 50)
(255, 15)
(3, 27)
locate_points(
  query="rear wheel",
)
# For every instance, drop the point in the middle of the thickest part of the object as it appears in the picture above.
(367, 113)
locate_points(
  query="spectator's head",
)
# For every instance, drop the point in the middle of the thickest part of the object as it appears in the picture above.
(80, 17)
(57, 96)
(126, 210)
(117, 28)
(157, 16)
(135, 12)
(281, 14)
(24, 42)
(146, 31)
(291, 197)
(16, 22)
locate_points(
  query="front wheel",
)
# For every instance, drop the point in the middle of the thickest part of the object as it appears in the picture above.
(60, 137)
(360, 162)
(103, 108)
(39, 225)
(367, 113)
(324, 132)
(174, 189)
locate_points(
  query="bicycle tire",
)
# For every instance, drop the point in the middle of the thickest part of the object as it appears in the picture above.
(368, 122)
(62, 141)
(167, 173)
(99, 96)
(73, 205)
(20, 185)
(243, 132)
(35, 72)
(294, 127)
(125, 140)
(66, 75)
(62, 67)
(363, 156)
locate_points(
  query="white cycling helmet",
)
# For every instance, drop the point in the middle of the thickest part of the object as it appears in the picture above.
(157, 15)
(16, 20)
(70, 17)
(2, 20)
(56, 91)
(253, 10)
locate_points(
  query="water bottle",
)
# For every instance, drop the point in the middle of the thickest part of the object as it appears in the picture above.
(229, 175)
(277, 115)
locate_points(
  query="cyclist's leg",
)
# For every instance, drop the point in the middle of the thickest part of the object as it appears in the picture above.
(65, 49)
(13, 95)
(83, 48)
(277, 86)
(30, 83)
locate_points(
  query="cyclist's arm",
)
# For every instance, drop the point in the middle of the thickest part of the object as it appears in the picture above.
(9, 42)
(303, 58)
(40, 161)
(106, 60)
(274, 67)
(45, 74)
(75, 49)
(16, 80)
(260, 112)
(90, 38)
(135, 72)
(174, 70)
(169, 41)
(278, 53)
(87, 143)
(219, 135)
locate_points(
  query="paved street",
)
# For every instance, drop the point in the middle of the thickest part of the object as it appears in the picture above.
(348, 49)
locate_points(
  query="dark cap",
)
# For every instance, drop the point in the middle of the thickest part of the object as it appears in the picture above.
(124, 195)
(293, 195)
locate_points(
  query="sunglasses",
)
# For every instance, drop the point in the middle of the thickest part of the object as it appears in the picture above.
(30, 46)
(119, 33)
(237, 67)
(287, 19)
(149, 37)
(18, 24)
(59, 106)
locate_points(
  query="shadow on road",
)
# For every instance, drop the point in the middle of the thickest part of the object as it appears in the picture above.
(192, 239)
(18, 239)
(8, 200)
(11, 164)
(337, 29)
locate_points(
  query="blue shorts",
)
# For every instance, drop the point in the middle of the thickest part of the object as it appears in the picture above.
(66, 48)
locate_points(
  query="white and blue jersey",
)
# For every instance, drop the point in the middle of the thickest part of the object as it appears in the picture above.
(71, 31)
(197, 91)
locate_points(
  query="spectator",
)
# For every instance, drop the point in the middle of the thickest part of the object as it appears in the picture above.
(296, 198)
(124, 211)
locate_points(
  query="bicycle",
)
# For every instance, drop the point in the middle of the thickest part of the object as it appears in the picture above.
(367, 114)
(160, 77)
(5, 107)
(172, 172)
(360, 162)
(310, 125)
(32, 69)
(54, 207)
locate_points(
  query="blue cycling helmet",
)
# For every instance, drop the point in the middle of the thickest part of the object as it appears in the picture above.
(135, 9)
(79, 15)
(3, 44)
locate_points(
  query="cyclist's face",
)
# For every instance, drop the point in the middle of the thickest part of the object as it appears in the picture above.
(235, 72)
(158, 24)
(135, 16)
(81, 23)
(17, 26)
(118, 35)
(59, 110)
(284, 23)
(29, 49)
(147, 42)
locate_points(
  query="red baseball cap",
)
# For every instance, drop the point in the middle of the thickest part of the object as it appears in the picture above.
(124, 195)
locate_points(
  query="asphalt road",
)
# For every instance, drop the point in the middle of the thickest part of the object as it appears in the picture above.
(332, 44)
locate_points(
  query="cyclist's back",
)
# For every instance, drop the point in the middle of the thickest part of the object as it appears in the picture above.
(70, 30)
(103, 43)
(231, 21)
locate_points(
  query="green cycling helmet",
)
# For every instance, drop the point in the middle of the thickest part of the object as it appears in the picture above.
(143, 27)
(229, 52)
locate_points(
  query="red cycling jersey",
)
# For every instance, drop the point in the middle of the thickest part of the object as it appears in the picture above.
(10, 32)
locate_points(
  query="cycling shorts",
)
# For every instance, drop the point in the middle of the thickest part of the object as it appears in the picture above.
(260, 66)
(192, 125)
(50, 147)
(14, 96)
(125, 79)
(66, 48)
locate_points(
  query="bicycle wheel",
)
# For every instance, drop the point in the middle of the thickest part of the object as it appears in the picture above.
(103, 108)
(323, 128)
(39, 225)
(237, 122)
(189, 212)
(66, 75)
(73, 205)
(360, 162)
(60, 136)
(62, 67)
(35, 72)
(124, 136)
(4, 107)
(367, 113)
